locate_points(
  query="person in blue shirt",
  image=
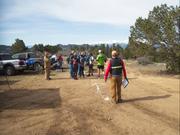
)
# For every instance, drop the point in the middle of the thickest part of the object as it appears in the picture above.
(81, 63)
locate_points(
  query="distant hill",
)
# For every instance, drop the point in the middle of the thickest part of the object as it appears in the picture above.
(123, 45)
(5, 49)
(66, 49)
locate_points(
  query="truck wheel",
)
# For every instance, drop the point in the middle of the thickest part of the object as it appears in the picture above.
(37, 67)
(9, 70)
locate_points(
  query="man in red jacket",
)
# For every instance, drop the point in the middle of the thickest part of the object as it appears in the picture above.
(115, 67)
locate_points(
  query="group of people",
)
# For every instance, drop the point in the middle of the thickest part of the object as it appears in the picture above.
(77, 62)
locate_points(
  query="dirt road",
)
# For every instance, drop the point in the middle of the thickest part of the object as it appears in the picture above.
(63, 106)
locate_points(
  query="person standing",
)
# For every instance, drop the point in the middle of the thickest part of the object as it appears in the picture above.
(101, 59)
(78, 58)
(75, 66)
(70, 62)
(115, 67)
(60, 62)
(81, 64)
(90, 64)
(47, 65)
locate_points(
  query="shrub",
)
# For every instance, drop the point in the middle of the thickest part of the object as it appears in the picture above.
(144, 60)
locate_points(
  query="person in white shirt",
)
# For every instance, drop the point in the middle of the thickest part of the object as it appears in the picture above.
(90, 64)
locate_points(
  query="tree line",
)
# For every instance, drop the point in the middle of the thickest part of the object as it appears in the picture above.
(19, 46)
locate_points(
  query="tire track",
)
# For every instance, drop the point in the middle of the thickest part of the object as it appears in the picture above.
(161, 117)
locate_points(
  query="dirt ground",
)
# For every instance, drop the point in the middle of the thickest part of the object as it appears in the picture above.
(62, 106)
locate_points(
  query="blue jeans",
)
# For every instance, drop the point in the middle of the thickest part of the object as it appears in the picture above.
(71, 70)
(79, 65)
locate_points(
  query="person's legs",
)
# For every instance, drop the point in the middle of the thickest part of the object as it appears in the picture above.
(82, 71)
(75, 74)
(89, 71)
(45, 75)
(99, 68)
(49, 73)
(92, 70)
(71, 70)
(60, 66)
(75, 69)
(102, 67)
(79, 69)
(119, 81)
(113, 88)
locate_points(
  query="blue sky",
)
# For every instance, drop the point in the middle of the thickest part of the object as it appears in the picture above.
(71, 21)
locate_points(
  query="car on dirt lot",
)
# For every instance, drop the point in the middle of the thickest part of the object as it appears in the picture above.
(9, 65)
(33, 61)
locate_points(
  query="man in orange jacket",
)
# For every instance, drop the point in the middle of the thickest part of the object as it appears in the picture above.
(115, 67)
(47, 65)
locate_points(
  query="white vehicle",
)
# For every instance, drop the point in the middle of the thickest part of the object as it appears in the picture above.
(9, 66)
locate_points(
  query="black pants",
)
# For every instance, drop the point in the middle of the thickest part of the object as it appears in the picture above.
(81, 71)
(90, 69)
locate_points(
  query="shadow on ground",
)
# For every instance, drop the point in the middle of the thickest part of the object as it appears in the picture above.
(146, 98)
(6, 82)
(30, 99)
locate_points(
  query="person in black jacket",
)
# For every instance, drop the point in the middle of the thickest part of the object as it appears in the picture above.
(70, 62)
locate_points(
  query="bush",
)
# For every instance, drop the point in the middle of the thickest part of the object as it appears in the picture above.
(173, 65)
(144, 60)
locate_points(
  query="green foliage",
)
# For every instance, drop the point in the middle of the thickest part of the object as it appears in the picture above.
(144, 60)
(52, 49)
(18, 46)
(160, 28)
(80, 48)
(127, 53)
(107, 53)
(102, 48)
(94, 49)
(41, 48)
(38, 47)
